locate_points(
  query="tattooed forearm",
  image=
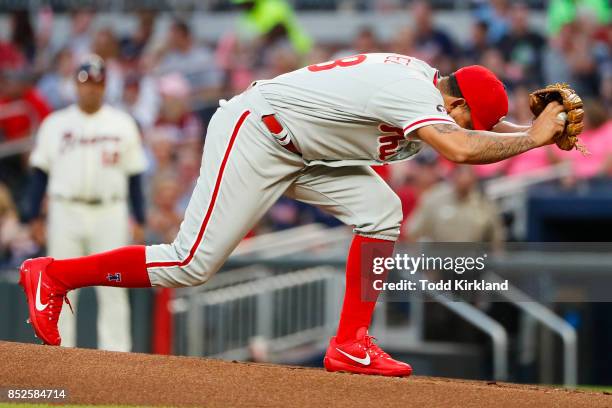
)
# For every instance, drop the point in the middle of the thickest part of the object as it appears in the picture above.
(491, 149)
(487, 147)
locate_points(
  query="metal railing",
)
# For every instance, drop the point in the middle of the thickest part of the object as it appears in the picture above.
(510, 192)
(549, 319)
(285, 311)
(558, 264)
(293, 241)
(497, 332)
(294, 301)
(15, 147)
(508, 186)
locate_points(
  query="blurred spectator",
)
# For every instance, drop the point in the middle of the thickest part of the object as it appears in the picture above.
(45, 51)
(364, 42)
(79, 40)
(140, 98)
(279, 60)
(139, 95)
(456, 211)
(194, 62)
(106, 45)
(570, 58)
(519, 110)
(317, 54)
(15, 242)
(169, 92)
(57, 86)
(237, 59)
(175, 114)
(164, 219)
(162, 143)
(493, 59)
(605, 88)
(496, 14)
(562, 12)
(522, 46)
(272, 21)
(23, 34)
(432, 44)
(17, 52)
(161, 156)
(22, 107)
(189, 161)
(425, 171)
(597, 137)
(477, 44)
(404, 42)
(414, 179)
(10, 57)
(9, 223)
(133, 46)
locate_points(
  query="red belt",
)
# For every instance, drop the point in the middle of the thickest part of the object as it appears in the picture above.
(280, 134)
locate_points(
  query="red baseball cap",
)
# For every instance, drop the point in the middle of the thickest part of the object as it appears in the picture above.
(485, 95)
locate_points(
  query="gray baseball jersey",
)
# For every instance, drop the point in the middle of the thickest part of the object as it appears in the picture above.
(344, 114)
(357, 110)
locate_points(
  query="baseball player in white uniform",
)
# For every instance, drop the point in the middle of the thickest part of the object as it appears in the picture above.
(92, 156)
(311, 134)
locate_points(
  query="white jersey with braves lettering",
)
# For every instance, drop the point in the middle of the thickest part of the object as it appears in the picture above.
(357, 110)
(88, 159)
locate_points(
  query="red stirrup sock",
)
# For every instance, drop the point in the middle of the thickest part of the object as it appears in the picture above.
(356, 312)
(123, 267)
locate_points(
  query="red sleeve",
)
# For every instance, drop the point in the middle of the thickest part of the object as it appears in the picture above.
(39, 103)
(21, 123)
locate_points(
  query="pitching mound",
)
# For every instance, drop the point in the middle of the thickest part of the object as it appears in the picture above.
(99, 377)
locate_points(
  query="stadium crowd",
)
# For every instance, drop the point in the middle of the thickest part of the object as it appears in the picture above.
(171, 87)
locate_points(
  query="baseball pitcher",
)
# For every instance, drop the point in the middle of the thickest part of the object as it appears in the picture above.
(311, 134)
(90, 155)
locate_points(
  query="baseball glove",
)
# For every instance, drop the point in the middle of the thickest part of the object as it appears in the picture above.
(572, 103)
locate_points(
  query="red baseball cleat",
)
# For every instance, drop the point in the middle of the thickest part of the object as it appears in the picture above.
(45, 297)
(363, 356)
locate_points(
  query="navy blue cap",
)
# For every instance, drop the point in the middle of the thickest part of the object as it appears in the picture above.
(92, 69)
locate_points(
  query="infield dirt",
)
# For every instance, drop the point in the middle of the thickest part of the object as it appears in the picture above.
(99, 377)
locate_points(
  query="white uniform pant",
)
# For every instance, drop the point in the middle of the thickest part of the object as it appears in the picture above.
(75, 230)
(244, 171)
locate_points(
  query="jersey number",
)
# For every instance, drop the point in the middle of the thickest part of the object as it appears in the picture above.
(343, 62)
(110, 158)
(389, 144)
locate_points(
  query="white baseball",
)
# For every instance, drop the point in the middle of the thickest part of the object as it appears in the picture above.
(562, 116)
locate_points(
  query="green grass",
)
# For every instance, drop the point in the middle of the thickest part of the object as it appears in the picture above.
(600, 388)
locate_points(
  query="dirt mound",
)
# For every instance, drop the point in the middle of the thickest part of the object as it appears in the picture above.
(99, 377)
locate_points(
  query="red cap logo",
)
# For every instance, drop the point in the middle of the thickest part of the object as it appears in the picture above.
(484, 94)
